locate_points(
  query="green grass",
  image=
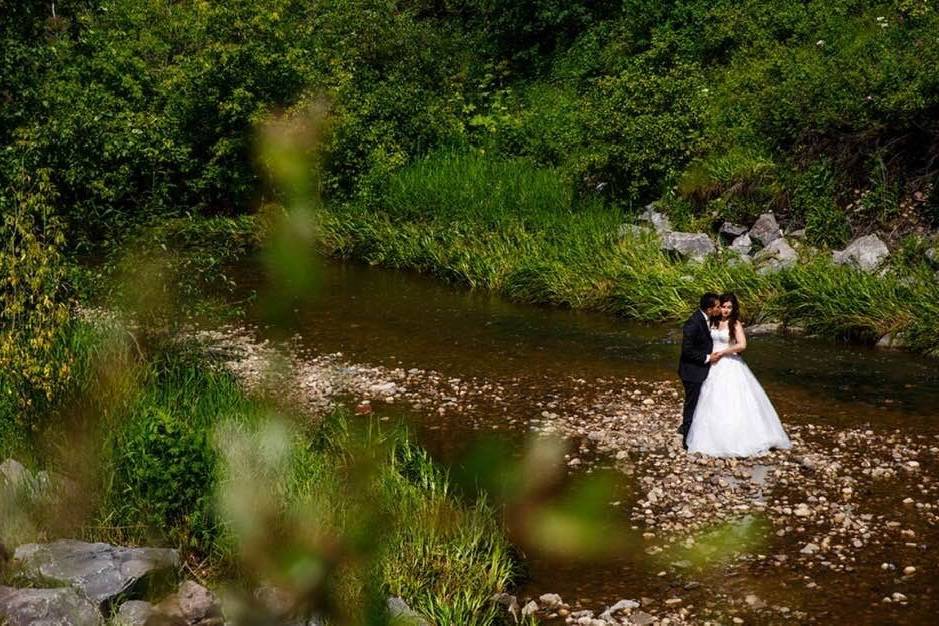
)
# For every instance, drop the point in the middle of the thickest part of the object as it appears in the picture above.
(164, 441)
(520, 239)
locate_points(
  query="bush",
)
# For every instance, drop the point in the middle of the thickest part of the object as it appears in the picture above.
(34, 301)
(165, 474)
(813, 202)
(161, 462)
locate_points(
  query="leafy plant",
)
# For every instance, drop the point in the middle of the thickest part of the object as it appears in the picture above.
(34, 302)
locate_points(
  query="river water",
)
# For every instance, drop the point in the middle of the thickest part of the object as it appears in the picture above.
(403, 320)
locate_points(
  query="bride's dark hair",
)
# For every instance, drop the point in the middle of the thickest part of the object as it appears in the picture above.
(734, 314)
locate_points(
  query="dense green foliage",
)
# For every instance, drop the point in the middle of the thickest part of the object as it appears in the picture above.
(143, 108)
(499, 143)
(523, 246)
(34, 303)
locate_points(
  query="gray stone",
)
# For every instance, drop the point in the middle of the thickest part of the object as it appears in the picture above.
(550, 601)
(730, 231)
(14, 474)
(659, 221)
(694, 246)
(99, 571)
(509, 602)
(765, 230)
(754, 601)
(197, 602)
(133, 613)
(622, 605)
(932, 255)
(797, 234)
(46, 607)
(191, 604)
(892, 341)
(276, 601)
(866, 253)
(777, 255)
(742, 244)
(530, 609)
(401, 613)
(641, 618)
(769, 328)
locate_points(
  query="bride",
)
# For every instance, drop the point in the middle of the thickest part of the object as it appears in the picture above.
(733, 416)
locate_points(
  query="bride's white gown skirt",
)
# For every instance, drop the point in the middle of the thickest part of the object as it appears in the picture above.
(734, 417)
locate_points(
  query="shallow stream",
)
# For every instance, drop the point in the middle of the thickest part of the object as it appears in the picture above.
(405, 321)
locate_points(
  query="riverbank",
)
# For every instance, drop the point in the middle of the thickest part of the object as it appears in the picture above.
(166, 446)
(585, 259)
(836, 529)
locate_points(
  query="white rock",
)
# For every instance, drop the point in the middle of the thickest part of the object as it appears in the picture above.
(866, 253)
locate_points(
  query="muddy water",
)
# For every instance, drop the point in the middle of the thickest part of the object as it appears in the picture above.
(401, 320)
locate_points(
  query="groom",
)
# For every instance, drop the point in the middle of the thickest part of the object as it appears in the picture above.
(697, 355)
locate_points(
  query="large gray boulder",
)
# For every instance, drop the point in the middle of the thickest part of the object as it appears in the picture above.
(16, 477)
(866, 253)
(46, 607)
(133, 613)
(694, 246)
(765, 230)
(658, 221)
(730, 231)
(100, 572)
(742, 244)
(775, 256)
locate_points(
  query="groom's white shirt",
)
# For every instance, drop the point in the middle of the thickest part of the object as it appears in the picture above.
(707, 357)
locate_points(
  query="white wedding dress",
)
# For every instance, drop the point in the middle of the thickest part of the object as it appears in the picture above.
(733, 417)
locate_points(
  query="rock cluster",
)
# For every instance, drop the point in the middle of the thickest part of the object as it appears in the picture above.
(811, 507)
(774, 251)
(82, 584)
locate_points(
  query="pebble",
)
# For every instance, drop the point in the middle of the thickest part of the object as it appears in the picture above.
(813, 492)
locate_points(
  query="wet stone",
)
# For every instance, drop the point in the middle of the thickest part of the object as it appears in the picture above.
(46, 607)
(101, 572)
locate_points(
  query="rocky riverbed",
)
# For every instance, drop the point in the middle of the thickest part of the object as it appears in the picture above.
(842, 503)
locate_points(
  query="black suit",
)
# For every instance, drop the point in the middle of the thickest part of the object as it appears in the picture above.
(696, 345)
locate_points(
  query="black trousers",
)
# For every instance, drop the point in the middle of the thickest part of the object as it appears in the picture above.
(692, 392)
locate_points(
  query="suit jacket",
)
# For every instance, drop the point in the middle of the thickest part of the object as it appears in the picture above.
(696, 345)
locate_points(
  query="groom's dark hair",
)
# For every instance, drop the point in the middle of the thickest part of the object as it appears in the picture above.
(708, 300)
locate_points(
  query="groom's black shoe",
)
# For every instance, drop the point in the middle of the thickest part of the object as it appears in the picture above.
(684, 442)
(681, 430)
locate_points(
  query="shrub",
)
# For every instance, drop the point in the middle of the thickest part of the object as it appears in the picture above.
(813, 202)
(164, 476)
(34, 303)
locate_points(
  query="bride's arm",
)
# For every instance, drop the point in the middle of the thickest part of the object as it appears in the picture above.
(740, 341)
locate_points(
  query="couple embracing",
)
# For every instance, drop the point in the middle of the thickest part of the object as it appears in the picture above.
(726, 411)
